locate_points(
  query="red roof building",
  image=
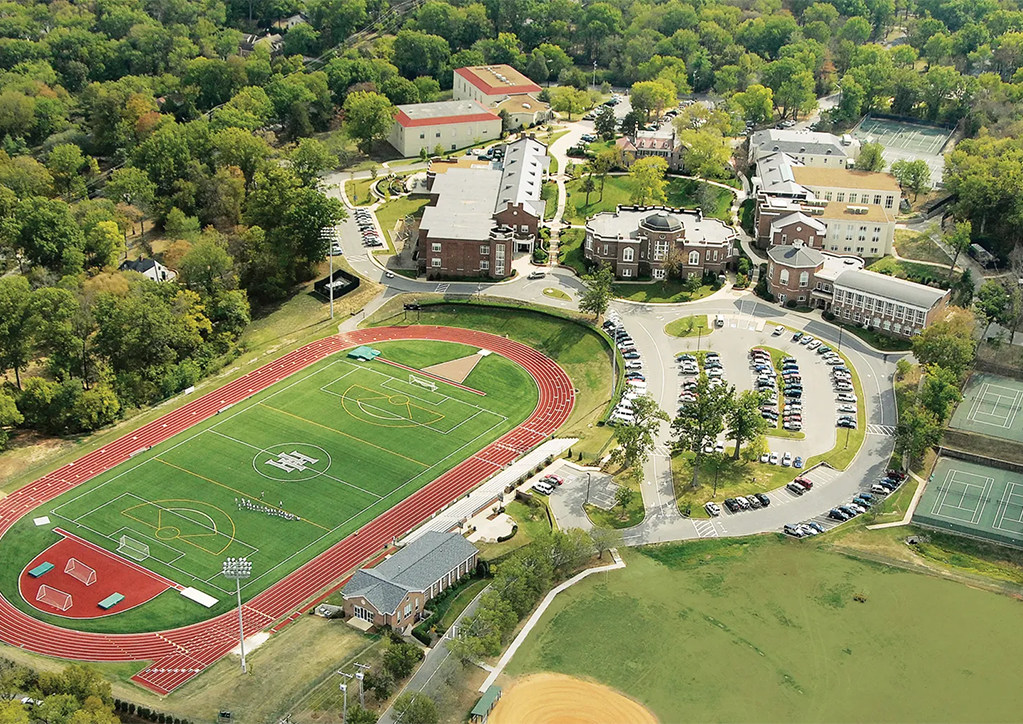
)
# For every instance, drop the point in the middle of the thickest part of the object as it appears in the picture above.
(489, 84)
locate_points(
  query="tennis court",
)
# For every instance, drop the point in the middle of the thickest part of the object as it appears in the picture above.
(991, 406)
(974, 500)
(907, 141)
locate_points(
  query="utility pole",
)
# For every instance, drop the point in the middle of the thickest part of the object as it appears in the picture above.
(344, 690)
(594, 72)
(237, 569)
(360, 675)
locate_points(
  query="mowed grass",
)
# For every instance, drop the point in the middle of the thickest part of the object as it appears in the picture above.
(374, 439)
(679, 193)
(767, 630)
(578, 348)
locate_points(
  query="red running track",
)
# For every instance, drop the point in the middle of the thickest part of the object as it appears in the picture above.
(179, 654)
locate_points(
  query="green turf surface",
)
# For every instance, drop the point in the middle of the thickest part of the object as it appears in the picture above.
(766, 630)
(369, 439)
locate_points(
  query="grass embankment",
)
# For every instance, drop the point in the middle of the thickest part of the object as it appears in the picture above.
(556, 294)
(876, 339)
(691, 326)
(570, 250)
(680, 193)
(670, 291)
(618, 517)
(568, 339)
(549, 195)
(919, 247)
(680, 620)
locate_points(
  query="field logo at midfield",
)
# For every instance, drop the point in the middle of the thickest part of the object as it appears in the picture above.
(291, 462)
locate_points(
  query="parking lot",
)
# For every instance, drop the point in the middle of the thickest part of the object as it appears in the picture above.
(733, 343)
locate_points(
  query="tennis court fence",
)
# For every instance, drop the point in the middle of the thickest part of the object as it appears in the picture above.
(969, 457)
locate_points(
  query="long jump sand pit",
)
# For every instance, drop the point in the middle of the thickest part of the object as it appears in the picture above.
(560, 699)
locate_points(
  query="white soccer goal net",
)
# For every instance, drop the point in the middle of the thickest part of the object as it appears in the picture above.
(54, 597)
(431, 386)
(76, 569)
(136, 550)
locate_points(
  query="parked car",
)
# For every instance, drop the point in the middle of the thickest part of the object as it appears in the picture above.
(837, 514)
(766, 457)
(879, 489)
(815, 525)
(743, 503)
(713, 509)
(731, 505)
(786, 459)
(797, 336)
(536, 275)
(774, 458)
(849, 510)
(554, 479)
(754, 502)
(794, 531)
(804, 482)
(806, 340)
(543, 488)
(798, 490)
(846, 397)
(851, 424)
(764, 500)
(814, 344)
(797, 462)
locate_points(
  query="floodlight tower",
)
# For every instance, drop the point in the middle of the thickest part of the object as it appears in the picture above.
(329, 233)
(237, 569)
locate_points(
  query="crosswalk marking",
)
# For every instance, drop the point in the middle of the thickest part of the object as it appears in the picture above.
(441, 288)
(887, 430)
(706, 529)
(662, 450)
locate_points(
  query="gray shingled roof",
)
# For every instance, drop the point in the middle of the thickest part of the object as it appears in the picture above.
(882, 285)
(795, 256)
(799, 142)
(625, 222)
(415, 567)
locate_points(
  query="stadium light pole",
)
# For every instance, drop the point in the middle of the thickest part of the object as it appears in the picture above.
(330, 235)
(237, 569)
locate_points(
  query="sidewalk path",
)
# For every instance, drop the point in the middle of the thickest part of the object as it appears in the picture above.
(908, 517)
(547, 600)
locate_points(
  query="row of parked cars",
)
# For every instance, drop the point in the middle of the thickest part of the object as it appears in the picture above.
(841, 378)
(739, 504)
(548, 484)
(370, 236)
(635, 380)
(860, 504)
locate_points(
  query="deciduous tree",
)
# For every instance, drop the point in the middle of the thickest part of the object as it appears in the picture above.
(368, 118)
(636, 439)
(648, 184)
(599, 290)
(699, 423)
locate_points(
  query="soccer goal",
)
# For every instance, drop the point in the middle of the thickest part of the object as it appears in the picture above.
(136, 550)
(76, 569)
(54, 597)
(431, 386)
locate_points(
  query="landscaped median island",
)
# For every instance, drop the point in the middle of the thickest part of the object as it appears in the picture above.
(670, 291)
(628, 509)
(690, 326)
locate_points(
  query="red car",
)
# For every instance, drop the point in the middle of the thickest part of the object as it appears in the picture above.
(554, 480)
(804, 482)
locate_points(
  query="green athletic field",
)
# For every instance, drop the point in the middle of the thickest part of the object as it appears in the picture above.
(768, 630)
(282, 476)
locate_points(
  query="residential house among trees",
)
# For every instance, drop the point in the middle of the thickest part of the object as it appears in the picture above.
(395, 592)
(809, 148)
(641, 241)
(663, 144)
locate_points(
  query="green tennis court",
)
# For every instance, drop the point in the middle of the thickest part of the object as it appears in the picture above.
(906, 141)
(974, 500)
(991, 406)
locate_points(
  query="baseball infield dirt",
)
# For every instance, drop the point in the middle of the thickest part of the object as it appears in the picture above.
(560, 699)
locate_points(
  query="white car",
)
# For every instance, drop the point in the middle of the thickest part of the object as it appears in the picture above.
(766, 457)
(633, 364)
(713, 509)
(847, 397)
(786, 459)
(779, 330)
(774, 458)
(847, 408)
(719, 448)
(814, 344)
(804, 340)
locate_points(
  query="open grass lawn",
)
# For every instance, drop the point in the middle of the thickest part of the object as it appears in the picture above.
(919, 273)
(665, 292)
(681, 193)
(335, 445)
(617, 517)
(457, 603)
(691, 326)
(767, 630)
(920, 247)
(577, 347)
(570, 250)
(358, 191)
(389, 213)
